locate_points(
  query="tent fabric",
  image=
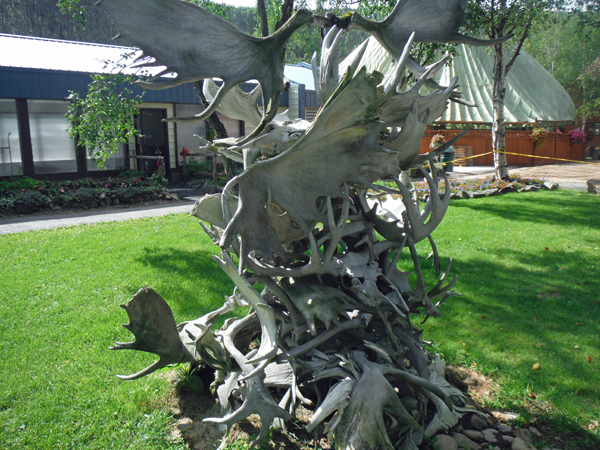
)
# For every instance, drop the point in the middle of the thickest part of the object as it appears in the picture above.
(531, 92)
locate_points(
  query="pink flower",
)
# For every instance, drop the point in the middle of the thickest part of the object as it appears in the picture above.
(62, 190)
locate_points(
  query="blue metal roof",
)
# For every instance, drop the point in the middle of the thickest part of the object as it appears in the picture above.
(51, 54)
(300, 74)
(41, 68)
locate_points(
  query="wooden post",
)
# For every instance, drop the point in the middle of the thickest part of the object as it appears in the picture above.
(214, 168)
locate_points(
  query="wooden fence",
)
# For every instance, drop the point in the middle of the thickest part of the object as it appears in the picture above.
(555, 146)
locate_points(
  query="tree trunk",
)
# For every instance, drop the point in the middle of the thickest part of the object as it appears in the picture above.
(498, 126)
(287, 9)
(264, 22)
(220, 132)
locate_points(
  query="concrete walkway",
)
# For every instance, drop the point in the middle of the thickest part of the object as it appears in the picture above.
(33, 223)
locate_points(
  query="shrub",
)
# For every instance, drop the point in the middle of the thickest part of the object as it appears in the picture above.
(158, 180)
(124, 172)
(86, 195)
(7, 203)
(193, 168)
(16, 183)
(127, 195)
(34, 199)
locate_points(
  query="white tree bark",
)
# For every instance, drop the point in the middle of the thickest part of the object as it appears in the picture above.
(498, 126)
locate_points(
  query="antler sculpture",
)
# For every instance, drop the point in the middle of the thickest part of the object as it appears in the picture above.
(334, 317)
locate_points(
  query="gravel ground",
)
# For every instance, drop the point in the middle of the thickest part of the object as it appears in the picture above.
(561, 172)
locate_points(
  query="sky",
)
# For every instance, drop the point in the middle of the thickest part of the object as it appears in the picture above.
(238, 2)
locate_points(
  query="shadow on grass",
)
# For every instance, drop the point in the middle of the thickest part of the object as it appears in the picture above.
(536, 310)
(575, 208)
(199, 282)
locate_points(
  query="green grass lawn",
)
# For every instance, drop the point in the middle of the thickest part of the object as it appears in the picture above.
(528, 263)
(59, 296)
(529, 267)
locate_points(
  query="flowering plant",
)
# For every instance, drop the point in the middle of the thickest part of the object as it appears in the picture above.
(538, 136)
(437, 141)
(577, 136)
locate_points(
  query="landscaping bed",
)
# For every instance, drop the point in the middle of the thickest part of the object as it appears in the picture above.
(486, 187)
(24, 195)
(481, 187)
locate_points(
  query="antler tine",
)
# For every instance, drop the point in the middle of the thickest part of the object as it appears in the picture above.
(336, 230)
(268, 346)
(327, 76)
(436, 257)
(434, 209)
(390, 86)
(162, 362)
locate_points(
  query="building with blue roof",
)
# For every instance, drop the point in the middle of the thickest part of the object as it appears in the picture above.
(36, 76)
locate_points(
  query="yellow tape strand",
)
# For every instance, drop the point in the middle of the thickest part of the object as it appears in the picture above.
(515, 154)
(546, 157)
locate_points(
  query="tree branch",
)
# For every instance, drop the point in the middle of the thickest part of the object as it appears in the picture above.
(519, 45)
(264, 22)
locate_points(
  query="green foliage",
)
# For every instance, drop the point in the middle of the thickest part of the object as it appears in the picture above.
(7, 203)
(86, 195)
(159, 180)
(218, 9)
(567, 44)
(497, 19)
(104, 119)
(43, 194)
(192, 169)
(19, 182)
(124, 172)
(74, 9)
(33, 199)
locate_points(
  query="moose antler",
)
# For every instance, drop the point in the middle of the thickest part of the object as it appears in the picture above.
(153, 325)
(196, 45)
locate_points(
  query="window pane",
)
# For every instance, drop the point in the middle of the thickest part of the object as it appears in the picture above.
(53, 148)
(187, 130)
(116, 160)
(10, 146)
(231, 125)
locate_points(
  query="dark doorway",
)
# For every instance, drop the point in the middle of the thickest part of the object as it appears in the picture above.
(154, 140)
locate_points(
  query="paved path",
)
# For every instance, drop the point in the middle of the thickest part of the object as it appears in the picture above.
(479, 171)
(32, 223)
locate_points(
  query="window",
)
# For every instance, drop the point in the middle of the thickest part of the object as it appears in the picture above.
(231, 125)
(53, 148)
(187, 130)
(115, 160)
(10, 146)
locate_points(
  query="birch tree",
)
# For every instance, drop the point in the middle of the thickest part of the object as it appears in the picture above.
(497, 19)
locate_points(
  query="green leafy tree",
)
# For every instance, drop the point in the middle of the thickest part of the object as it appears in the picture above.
(104, 119)
(567, 43)
(74, 9)
(498, 19)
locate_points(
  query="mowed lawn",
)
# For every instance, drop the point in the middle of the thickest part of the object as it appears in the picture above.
(529, 271)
